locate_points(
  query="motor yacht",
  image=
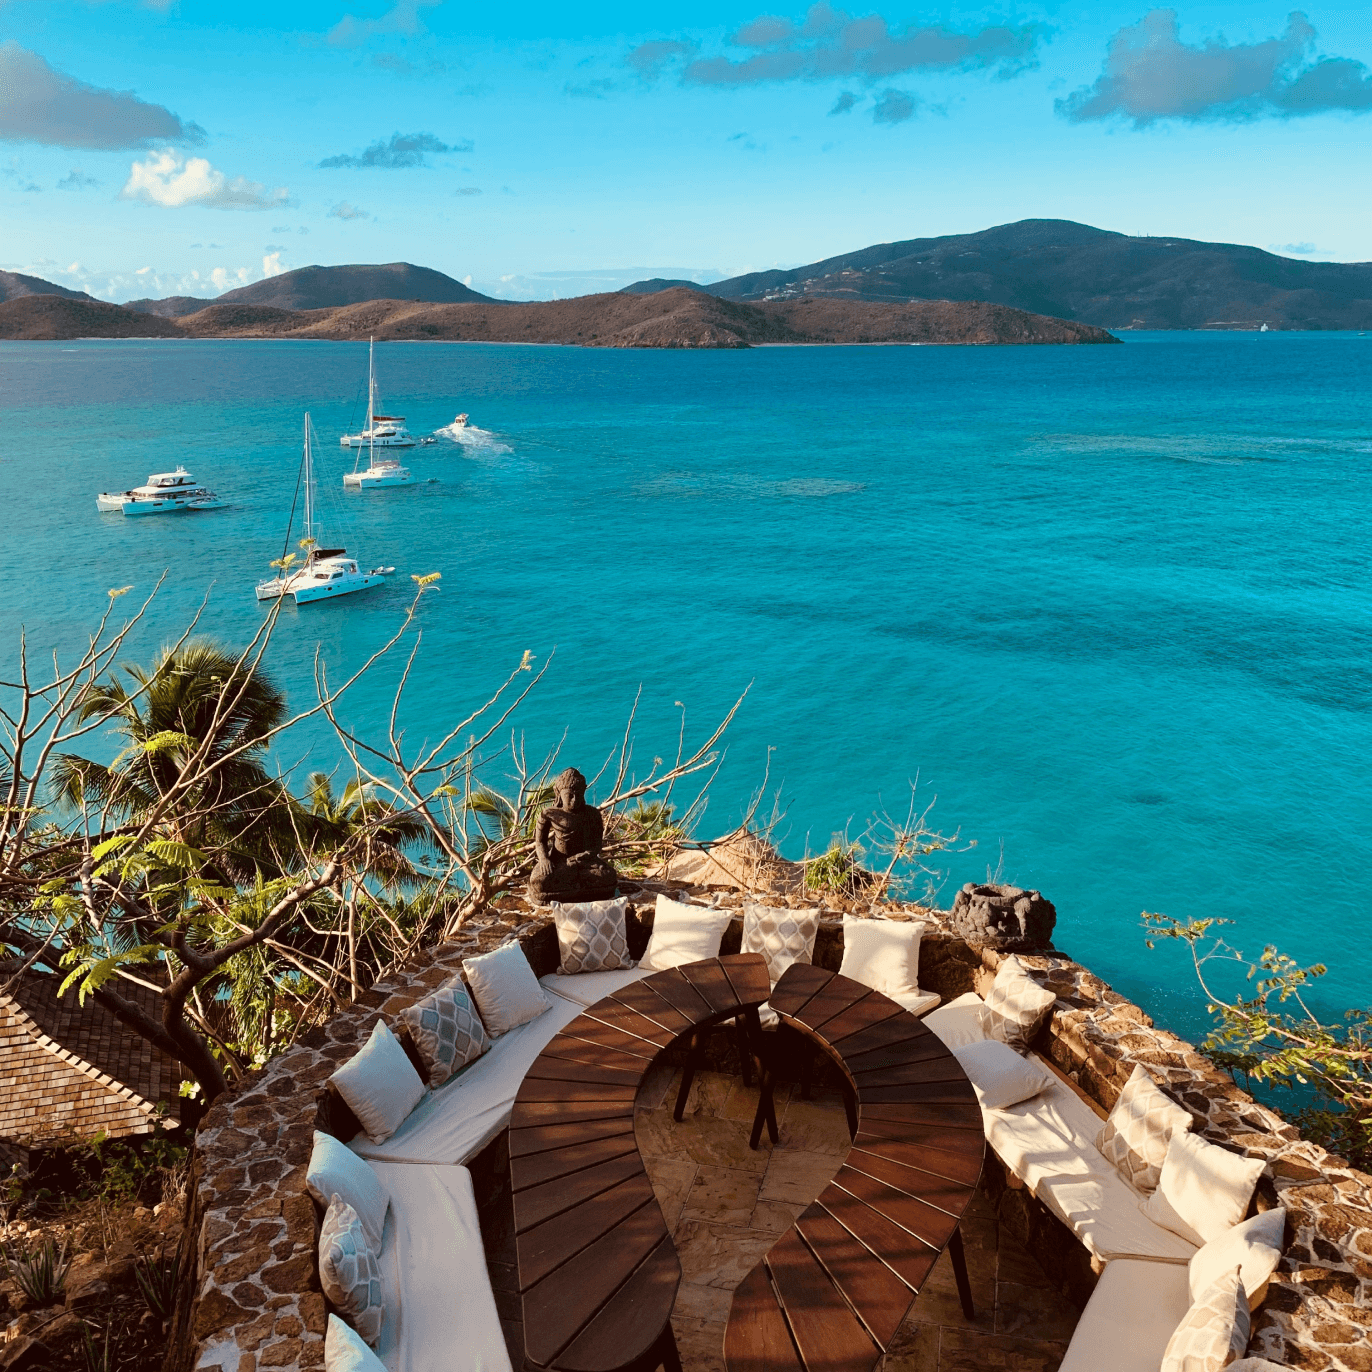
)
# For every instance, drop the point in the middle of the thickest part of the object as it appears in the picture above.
(326, 572)
(163, 493)
(382, 430)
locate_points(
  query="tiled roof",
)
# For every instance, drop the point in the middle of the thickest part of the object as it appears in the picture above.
(94, 1041)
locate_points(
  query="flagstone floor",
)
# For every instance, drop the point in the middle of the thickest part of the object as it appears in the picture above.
(726, 1205)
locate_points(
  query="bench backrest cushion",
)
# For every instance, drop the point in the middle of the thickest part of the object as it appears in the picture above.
(379, 1084)
(999, 1076)
(882, 954)
(349, 1271)
(592, 936)
(335, 1170)
(1214, 1332)
(684, 933)
(1136, 1135)
(1204, 1190)
(344, 1351)
(446, 1030)
(505, 989)
(1016, 1006)
(1254, 1247)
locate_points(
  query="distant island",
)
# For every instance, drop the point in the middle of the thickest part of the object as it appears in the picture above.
(1057, 279)
(672, 318)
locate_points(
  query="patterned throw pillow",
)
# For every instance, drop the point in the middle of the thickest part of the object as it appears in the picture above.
(782, 936)
(349, 1271)
(1214, 1333)
(1135, 1136)
(592, 936)
(446, 1029)
(1017, 1006)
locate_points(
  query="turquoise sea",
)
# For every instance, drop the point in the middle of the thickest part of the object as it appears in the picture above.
(1112, 604)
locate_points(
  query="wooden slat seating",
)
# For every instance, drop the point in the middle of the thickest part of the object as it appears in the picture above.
(598, 1274)
(832, 1292)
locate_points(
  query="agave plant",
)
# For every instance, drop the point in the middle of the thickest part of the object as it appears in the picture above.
(157, 1281)
(97, 1355)
(41, 1273)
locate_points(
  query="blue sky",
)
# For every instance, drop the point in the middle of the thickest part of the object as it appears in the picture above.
(150, 147)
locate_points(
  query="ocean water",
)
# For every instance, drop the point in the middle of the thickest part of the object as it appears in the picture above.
(1110, 604)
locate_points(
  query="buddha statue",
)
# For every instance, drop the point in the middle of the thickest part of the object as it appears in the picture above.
(567, 841)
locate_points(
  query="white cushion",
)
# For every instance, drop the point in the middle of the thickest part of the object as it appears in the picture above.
(783, 937)
(344, 1350)
(458, 1120)
(998, 1074)
(1203, 1191)
(447, 1314)
(379, 1084)
(960, 1022)
(348, 1270)
(446, 1029)
(1046, 1141)
(1254, 1247)
(683, 933)
(916, 1002)
(592, 936)
(1135, 1136)
(588, 987)
(882, 954)
(505, 989)
(1146, 1299)
(1214, 1331)
(1016, 1005)
(335, 1170)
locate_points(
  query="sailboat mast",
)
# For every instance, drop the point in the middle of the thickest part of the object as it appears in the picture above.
(371, 402)
(309, 482)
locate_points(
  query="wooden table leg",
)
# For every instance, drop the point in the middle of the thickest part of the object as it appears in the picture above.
(959, 1258)
(688, 1073)
(850, 1108)
(667, 1355)
(765, 1112)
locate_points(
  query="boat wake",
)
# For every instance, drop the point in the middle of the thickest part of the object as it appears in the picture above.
(476, 440)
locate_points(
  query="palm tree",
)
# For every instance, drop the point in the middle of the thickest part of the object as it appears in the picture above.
(197, 701)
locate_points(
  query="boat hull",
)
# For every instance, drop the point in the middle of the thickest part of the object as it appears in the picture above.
(325, 590)
(363, 481)
(362, 441)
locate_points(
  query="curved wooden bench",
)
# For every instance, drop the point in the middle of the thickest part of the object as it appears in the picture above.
(598, 1273)
(834, 1289)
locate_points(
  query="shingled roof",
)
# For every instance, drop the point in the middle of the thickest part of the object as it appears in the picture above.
(74, 1069)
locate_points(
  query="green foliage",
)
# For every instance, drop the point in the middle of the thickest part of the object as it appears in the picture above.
(1272, 1037)
(120, 1170)
(157, 1281)
(837, 871)
(40, 1272)
(97, 1355)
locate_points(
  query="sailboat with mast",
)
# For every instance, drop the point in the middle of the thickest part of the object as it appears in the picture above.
(382, 430)
(326, 572)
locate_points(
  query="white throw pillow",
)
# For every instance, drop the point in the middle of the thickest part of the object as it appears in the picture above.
(505, 989)
(960, 1022)
(882, 954)
(1203, 1190)
(1214, 1332)
(1254, 1247)
(344, 1351)
(335, 1170)
(592, 936)
(783, 937)
(1016, 1006)
(1135, 1136)
(349, 1271)
(999, 1076)
(379, 1084)
(446, 1030)
(683, 933)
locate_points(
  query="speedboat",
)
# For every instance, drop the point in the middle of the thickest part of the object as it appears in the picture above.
(459, 423)
(326, 572)
(382, 430)
(164, 493)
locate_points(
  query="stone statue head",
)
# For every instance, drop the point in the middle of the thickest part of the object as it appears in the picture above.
(570, 789)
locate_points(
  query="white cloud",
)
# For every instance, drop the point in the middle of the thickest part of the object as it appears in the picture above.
(41, 105)
(271, 264)
(173, 180)
(402, 17)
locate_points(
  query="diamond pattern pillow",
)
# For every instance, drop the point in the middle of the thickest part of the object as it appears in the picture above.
(1214, 1333)
(1017, 1006)
(592, 936)
(446, 1029)
(782, 936)
(349, 1271)
(1135, 1136)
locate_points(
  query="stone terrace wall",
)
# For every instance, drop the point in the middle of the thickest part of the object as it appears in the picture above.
(250, 1293)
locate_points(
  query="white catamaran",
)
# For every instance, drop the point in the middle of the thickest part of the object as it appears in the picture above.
(326, 572)
(383, 430)
(163, 493)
